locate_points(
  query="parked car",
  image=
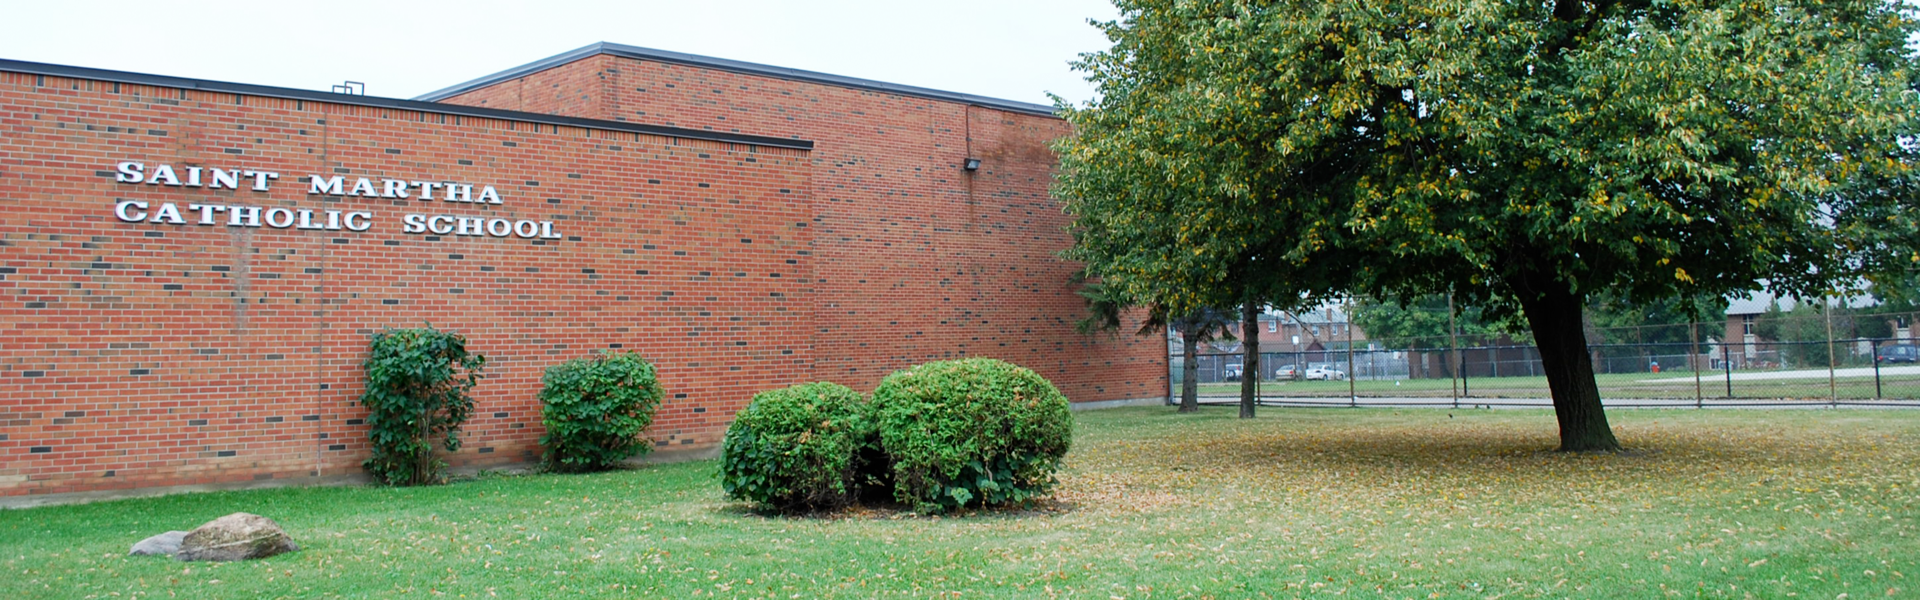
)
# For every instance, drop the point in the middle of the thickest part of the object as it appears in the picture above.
(1325, 374)
(1233, 372)
(1287, 372)
(1899, 353)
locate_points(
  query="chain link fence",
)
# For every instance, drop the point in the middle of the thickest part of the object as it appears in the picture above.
(1769, 360)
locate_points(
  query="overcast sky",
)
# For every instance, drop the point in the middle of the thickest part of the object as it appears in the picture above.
(1010, 49)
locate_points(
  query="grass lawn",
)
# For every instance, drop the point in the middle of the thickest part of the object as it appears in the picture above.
(1368, 503)
(1618, 385)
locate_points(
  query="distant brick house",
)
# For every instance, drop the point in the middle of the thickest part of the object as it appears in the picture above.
(1746, 347)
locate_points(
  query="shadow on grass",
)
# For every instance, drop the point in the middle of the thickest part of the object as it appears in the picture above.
(1466, 443)
(882, 509)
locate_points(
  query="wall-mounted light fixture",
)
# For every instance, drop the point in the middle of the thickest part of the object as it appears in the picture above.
(972, 164)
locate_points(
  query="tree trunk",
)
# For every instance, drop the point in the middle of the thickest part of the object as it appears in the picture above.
(423, 462)
(1250, 363)
(1190, 372)
(1553, 313)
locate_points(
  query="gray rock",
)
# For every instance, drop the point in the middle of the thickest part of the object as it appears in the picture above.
(238, 536)
(164, 544)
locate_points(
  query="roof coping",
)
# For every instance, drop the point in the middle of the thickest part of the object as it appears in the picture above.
(33, 68)
(722, 64)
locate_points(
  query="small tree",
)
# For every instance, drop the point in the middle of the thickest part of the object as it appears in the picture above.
(417, 389)
(594, 410)
(1197, 327)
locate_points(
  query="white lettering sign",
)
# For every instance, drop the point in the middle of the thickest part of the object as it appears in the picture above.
(278, 217)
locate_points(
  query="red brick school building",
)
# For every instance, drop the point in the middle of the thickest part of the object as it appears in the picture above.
(190, 270)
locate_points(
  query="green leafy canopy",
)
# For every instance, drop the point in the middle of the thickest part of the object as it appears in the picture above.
(1654, 148)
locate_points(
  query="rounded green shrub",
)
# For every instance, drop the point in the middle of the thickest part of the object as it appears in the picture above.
(418, 384)
(796, 448)
(595, 410)
(971, 432)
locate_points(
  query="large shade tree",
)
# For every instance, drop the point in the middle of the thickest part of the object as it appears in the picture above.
(1521, 156)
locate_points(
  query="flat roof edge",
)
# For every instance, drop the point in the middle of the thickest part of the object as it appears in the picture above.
(743, 67)
(33, 68)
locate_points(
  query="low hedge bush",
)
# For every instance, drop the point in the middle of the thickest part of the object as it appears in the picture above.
(796, 448)
(595, 410)
(971, 432)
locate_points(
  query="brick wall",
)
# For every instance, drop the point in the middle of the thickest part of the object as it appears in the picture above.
(572, 92)
(142, 354)
(152, 354)
(918, 260)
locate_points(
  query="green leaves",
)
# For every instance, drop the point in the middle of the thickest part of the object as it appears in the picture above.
(594, 410)
(797, 448)
(1661, 150)
(417, 389)
(971, 432)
